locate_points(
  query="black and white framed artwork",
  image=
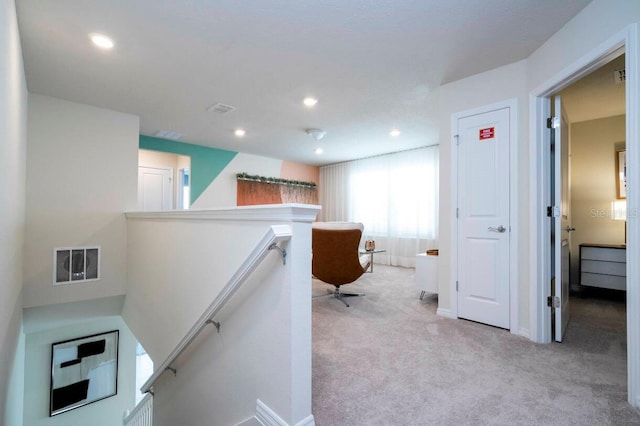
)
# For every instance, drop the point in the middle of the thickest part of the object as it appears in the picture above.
(83, 370)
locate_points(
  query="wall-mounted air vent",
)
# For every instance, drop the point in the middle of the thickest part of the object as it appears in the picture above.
(76, 264)
(620, 76)
(167, 134)
(221, 108)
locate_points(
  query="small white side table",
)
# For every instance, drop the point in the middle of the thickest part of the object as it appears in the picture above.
(426, 273)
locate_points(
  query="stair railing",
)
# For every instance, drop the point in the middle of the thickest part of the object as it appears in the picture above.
(269, 241)
(142, 414)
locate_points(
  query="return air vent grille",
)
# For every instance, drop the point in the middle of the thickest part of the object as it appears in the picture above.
(221, 108)
(167, 134)
(620, 76)
(76, 264)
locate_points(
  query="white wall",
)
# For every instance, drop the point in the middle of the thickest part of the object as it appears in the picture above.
(13, 141)
(482, 89)
(82, 176)
(179, 262)
(106, 412)
(222, 192)
(593, 185)
(594, 25)
(598, 22)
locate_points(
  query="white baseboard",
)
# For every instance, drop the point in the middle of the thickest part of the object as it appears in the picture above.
(251, 422)
(524, 332)
(446, 313)
(309, 421)
(268, 417)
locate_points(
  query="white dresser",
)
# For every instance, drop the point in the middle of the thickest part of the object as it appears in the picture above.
(426, 273)
(603, 265)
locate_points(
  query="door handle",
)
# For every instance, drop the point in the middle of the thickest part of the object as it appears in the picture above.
(500, 229)
(569, 229)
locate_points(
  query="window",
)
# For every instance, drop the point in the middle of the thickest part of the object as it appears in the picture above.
(395, 196)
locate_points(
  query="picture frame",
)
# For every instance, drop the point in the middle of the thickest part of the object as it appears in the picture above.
(621, 174)
(83, 370)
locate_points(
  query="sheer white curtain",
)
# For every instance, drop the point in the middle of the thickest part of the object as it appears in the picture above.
(395, 196)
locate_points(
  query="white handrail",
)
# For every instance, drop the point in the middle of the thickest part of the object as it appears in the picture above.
(274, 235)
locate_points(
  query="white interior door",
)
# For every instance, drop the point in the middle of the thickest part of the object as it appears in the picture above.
(155, 188)
(483, 217)
(561, 229)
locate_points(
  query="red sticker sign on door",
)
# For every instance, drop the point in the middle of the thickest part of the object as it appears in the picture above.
(487, 133)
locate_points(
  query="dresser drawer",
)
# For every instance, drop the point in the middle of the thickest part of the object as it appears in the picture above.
(600, 267)
(603, 253)
(604, 281)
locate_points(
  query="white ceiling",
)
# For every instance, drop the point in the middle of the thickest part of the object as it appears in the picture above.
(597, 95)
(373, 64)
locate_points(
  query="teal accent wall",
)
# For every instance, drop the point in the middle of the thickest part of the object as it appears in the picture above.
(206, 163)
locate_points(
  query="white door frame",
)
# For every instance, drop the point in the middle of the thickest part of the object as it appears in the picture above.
(514, 221)
(540, 314)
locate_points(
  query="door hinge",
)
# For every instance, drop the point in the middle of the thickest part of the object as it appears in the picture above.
(456, 285)
(553, 211)
(457, 138)
(553, 122)
(553, 302)
(457, 212)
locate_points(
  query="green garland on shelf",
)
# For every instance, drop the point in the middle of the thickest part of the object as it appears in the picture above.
(278, 181)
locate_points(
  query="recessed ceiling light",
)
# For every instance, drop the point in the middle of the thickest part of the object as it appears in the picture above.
(395, 133)
(318, 151)
(101, 41)
(309, 101)
(239, 132)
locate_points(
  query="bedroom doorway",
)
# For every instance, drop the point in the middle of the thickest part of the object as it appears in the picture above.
(624, 42)
(588, 253)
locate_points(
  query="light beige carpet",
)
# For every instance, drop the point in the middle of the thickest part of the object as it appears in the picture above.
(390, 360)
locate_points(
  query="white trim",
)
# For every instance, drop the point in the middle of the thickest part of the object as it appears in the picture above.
(268, 417)
(446, 313)
(540, 316)
(265, 213)
(253, 421)
(633, 202)
(308, 421)
(514, 218)
(524, 332)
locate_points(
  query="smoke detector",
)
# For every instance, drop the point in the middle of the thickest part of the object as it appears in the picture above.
(317, 134)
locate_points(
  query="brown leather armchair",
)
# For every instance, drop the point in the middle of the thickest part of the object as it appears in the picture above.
(336, 259)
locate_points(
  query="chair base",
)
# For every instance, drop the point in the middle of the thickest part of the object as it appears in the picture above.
(339, 295)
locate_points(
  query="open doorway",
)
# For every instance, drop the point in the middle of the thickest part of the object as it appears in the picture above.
(625, 41)
(588, 239)
(164, 181)
(592, 213)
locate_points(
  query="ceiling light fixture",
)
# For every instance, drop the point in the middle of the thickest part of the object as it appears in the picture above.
(239, 132)
(317, 134)
(394, 133)
(101, 41)
(309, 101)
